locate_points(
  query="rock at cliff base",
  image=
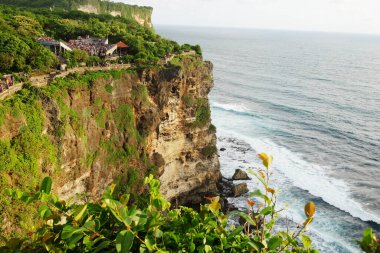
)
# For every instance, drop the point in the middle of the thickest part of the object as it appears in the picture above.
(240, 175)
(239, 189)
(222, 149)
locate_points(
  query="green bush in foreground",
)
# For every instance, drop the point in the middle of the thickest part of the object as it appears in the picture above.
(111, 225)
(370, 243)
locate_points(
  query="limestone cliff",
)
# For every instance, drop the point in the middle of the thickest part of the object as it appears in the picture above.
(88, 130)
(141, 14)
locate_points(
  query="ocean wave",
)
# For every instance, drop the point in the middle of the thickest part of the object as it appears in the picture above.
(236, 108)
(310, 177)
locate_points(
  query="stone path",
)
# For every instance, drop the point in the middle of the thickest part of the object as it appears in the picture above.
(44, 80)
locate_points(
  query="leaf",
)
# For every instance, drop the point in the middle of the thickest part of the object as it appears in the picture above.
(267, 160)
(262, 174)
(258, 193)
(254, 245)
(236, 231)
(79, 211)
(274, 242)
(214, 205)
(258, 177)
(208, 249)
(310, 209)
(250, 202)
(158, 233)
(124, 199)
(267, 210)
(149, 243)
(192, 246)
(247, 218)
(271, 190)
(74, 240)
(306, 241)
(124, 241)
(368, 236)
(46, 185)
(103, 245)
(69, 231)
(308, 221)
(44, 212)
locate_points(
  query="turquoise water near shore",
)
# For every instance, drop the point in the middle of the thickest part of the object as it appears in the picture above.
(313, 101)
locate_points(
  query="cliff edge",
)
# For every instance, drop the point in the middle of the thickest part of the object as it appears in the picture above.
(88, 130)
(141, 14)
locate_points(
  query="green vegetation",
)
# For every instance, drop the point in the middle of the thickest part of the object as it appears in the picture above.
(188, 100)
(203, 113)
(115, 225)
(77, 56)
(20, 28)
(31, 146)
(212, 128)
(140, 94)
(369, 243)
(209, 151)
(109, 88)
(187, 48)
(102, 7)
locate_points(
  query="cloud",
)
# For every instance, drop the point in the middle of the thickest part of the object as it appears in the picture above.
(320, 15)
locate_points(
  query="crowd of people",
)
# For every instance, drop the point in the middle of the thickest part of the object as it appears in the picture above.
(46, 39)
(6, 82)
(93, 46)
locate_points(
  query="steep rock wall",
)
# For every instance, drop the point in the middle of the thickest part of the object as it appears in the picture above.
(88, 130)
(141, 14)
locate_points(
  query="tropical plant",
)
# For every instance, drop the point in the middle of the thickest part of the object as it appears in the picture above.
(369, 243)
(114, 225)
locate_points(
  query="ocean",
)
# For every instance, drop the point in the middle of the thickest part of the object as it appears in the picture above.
(310, 99)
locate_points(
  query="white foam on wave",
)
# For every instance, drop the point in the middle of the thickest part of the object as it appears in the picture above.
(231, 107)
(308, 176)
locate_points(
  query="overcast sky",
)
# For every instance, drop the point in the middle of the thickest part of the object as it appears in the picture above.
(361, 16)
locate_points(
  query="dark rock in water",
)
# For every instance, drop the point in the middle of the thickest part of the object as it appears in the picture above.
(240, 175)
(225, 187)
(222, 149)
(239, 189)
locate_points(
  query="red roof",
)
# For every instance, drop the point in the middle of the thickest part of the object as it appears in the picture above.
(121, 44)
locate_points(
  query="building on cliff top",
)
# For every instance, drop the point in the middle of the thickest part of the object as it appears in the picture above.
(93, 46)
(57, 47)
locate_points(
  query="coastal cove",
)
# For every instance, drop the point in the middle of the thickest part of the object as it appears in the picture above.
(311, 100)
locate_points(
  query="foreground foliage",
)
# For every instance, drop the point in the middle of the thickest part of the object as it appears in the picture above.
(113, 225)
(370, 243)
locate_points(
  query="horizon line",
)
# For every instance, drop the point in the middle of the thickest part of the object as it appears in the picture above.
(271, 29)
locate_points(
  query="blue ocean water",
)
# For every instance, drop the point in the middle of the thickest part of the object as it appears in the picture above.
(312, 100)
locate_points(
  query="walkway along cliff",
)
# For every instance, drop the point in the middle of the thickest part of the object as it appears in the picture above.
(86, 130)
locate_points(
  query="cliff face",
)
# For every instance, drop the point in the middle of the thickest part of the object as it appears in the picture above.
(141, 14)
(87, 131)
(175, 145)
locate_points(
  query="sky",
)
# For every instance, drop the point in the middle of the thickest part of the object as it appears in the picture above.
(352, 16)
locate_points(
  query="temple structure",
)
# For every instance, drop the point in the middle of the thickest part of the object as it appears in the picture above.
(93, 46)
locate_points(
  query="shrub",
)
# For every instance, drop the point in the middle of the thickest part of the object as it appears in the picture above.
(109, 88)
(209, 151)
(202, 114)
(114, 225)
(212, 128)
(140, 94)
(188, 100)
(369, 243)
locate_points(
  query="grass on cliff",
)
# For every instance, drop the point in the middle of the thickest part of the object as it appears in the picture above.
(202, 113)
(31, 146)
